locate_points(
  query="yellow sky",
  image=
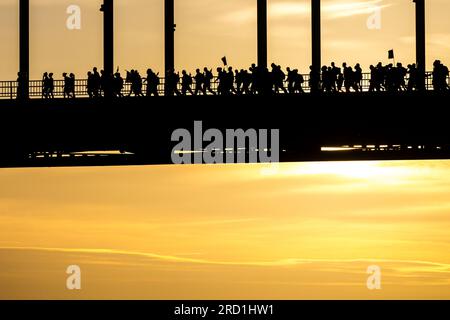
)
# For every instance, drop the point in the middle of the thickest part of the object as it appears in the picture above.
(210, 29)
(293, 231)
(300, 231)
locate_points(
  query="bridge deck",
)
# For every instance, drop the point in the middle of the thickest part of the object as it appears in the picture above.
(144, 126)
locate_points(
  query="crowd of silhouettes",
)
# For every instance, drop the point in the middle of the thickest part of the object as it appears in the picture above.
(228, 81)
(255, 80)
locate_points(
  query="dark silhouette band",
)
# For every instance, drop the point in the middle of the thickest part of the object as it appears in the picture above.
(228, 81)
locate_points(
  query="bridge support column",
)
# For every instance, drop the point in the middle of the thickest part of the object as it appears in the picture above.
(169, 39)
(24, 48)
(108, 36)
(316, 43)
(420, 44)
(262, 33)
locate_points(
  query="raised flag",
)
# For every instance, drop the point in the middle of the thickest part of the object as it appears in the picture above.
(224, 60)
(391, 54)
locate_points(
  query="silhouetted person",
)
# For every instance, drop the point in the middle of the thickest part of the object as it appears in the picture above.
(265, 80)
(118, 84)
(102, 83)
(327, 84)
(22, 84)
(334, 76)
(66, 78)
(412, 81)
(357, 78)
(107, 84)
(221, 79)
(172, 81)
(130, 79)
(152, 83)
(186, 82)
(208, 77)
(238, 76)
(390, 78)
(226, 81)
(401, 74)
(339, 81)
(90, 84)
(374, 82)
(72, 84)
(229, 81)
(246, 82)
(298, 82)
(381, 75)
(445, 75)
(49, 86)
(69, 85)
(45, 85)
(314, 79)
(135, 79)
(348, 77)
(96, 80)
(278, 77)
(290, 80)
(138, 84)
(254, 82)
(199, 81)
(440, 75)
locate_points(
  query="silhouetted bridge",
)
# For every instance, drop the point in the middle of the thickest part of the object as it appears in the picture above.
(372, 126)
(53, 132)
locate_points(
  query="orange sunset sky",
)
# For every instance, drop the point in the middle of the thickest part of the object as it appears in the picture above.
(287, 231)
(210, 29)
(292, 231)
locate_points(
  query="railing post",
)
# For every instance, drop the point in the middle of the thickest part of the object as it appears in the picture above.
(262, 33)
(108, 36)
(24, 48)
(316, 43)
(420, 44)
(169, 41)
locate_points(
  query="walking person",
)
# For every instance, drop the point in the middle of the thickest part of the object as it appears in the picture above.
(208, 77)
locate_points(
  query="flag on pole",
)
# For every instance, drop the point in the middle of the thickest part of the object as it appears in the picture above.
(391, 54)
(224, 60)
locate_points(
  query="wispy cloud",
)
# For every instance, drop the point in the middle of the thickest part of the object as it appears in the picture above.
(340, 9)
(429, 266)
(330, 10)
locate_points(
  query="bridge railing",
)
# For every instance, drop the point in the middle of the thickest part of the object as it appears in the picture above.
(8, 89)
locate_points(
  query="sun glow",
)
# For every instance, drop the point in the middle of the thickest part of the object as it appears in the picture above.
(373, 170)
